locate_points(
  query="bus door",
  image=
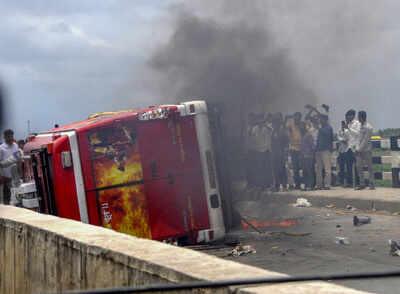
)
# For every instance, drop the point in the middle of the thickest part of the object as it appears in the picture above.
(43, 175)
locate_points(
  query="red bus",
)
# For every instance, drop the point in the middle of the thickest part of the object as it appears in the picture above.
(150, 173)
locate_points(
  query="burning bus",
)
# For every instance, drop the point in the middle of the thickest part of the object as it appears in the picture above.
(150, 173)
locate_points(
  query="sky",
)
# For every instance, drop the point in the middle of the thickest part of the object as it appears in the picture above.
(63, 60)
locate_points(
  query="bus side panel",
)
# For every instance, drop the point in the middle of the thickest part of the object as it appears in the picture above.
(193, 183)
(65, 194)
(91, 196)
(172, 174)
(161, 163)
(167, 215)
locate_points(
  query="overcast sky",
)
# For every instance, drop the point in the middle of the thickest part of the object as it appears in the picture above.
(62, 60)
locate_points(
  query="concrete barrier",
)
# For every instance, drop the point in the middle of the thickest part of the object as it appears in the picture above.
(45, 254)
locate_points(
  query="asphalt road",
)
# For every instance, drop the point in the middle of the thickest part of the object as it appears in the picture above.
(315, 251)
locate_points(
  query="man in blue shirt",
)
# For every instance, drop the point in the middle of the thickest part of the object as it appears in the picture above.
(324, 153)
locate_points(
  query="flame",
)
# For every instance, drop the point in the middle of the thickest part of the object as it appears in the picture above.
(128, 210)
(258, 224)
(107, 172)
(123, 209)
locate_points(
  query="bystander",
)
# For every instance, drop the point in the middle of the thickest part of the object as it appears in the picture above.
(324, 153)
(364, 151)
(8, 149)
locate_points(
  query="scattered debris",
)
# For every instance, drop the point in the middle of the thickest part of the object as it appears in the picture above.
(330, 206)
(394, 248)
(302, 202)
(349, 207)
(361, 220)
(342, 240)
(241, 250)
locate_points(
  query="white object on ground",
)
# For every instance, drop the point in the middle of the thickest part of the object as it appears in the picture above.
(302, 202)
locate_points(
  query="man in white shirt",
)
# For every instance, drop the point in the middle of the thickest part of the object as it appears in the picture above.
(342, 149)
(364, 151)
(8, 149)
(261, 138)
(352, 136)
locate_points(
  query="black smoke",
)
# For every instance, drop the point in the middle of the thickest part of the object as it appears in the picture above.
(236, 63)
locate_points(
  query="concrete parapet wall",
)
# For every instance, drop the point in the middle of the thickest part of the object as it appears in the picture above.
(45, 254)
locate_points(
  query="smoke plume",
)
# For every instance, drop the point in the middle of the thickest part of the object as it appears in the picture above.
(229, 59)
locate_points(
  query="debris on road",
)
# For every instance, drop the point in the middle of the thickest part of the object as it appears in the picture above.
(241, 250)
(342, 240)
(349, 207)
(394, 248)
(396, 213)
(361, 220)
(302, 202)
(338, 226)
(330, 206)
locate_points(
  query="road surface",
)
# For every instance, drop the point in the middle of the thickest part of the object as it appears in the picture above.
(309, 246)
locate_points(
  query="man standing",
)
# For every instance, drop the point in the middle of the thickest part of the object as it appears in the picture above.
(343, 147)
(7, 149)
(324, 153)
(352, 134)
(251, 157)
(364, 151)
(261, 134)
(279, 142)
(296, 131)
(308, 152)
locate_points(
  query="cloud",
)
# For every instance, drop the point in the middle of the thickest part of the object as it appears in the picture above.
(61, 62)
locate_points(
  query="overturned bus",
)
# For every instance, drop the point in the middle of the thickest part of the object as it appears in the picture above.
(150, 173)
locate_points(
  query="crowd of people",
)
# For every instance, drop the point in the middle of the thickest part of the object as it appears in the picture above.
(275, 143)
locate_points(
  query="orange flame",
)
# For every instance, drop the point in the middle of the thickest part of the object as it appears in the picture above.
(258, 224)
(123, 209)
(108, 174)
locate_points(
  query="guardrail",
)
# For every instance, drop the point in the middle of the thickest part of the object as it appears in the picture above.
(393, 146)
